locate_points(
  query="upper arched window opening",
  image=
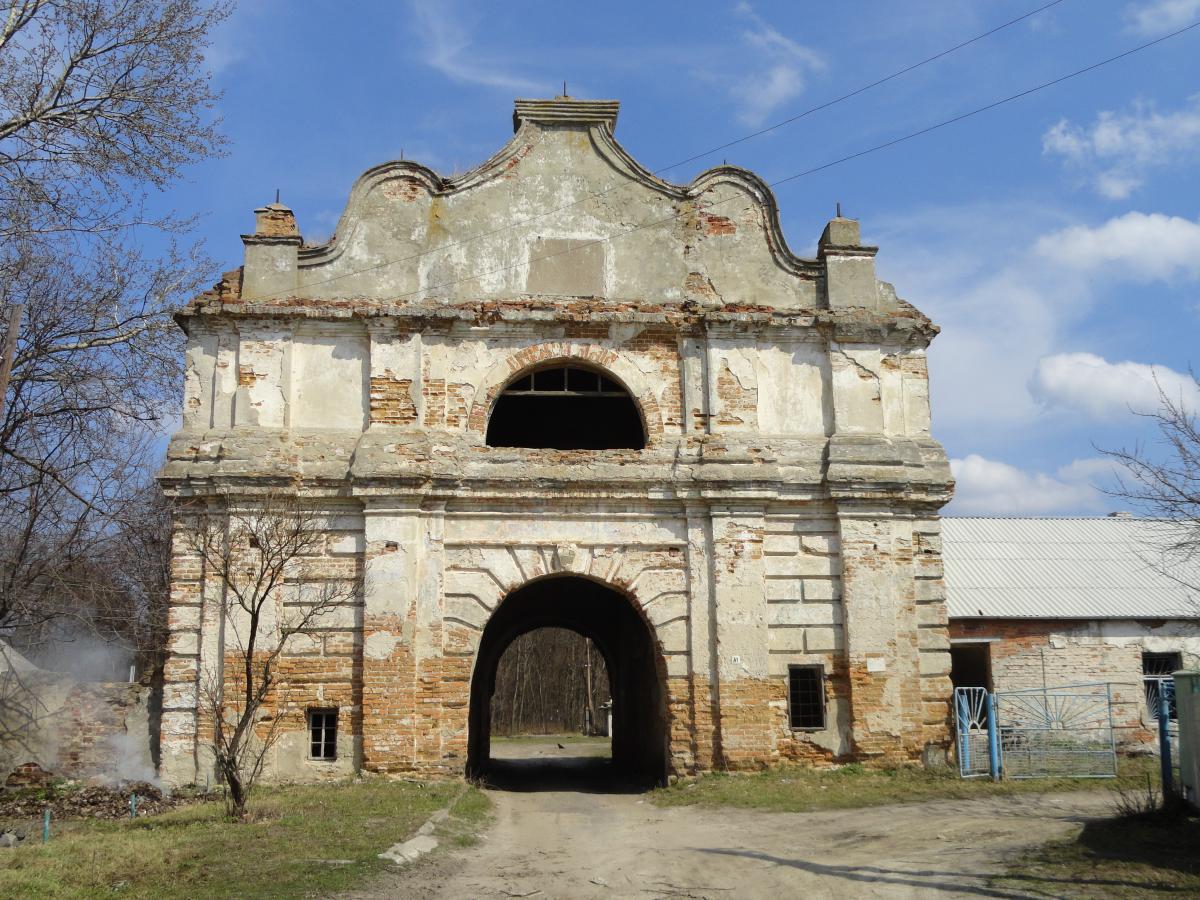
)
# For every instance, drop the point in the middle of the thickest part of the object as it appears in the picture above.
(566, 408)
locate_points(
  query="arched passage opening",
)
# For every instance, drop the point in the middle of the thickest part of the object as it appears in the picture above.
(552, 681)
(635, 671)
(566, 407)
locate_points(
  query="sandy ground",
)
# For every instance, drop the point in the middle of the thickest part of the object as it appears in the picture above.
(558, 831)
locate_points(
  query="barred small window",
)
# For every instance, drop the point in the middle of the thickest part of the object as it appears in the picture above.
(322, 730)
(806, 696)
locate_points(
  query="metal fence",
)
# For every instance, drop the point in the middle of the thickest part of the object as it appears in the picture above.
(1065, 731)
(975, 742)
(1160, 697)
(1060, 731)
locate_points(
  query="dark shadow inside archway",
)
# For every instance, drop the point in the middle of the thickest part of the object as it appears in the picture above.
(561, 407)
(639, 731)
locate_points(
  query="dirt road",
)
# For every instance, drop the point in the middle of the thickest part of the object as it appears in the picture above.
(566, 842)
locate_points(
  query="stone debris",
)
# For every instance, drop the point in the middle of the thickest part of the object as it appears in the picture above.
(410, 850)
(421, 843)
(72, 800)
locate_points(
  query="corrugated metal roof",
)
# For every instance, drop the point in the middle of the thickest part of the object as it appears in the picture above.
(1116, 567)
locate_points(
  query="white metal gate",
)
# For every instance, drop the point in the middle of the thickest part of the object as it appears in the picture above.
(1062, 731)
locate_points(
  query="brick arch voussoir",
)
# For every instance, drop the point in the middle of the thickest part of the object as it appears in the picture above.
(565, 352)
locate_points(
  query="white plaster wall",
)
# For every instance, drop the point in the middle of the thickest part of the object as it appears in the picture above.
(199, 376)
(793, 387)
(803, 585)
(262, 373)
(577, 188)
(857, 391)
(329, 377)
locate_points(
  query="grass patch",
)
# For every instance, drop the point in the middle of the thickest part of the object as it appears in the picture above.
(303, 840)
(1130, 857)
(801, 789)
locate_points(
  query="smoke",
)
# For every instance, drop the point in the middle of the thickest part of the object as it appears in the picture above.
(83, 655)
(131, 759)
(65, 699)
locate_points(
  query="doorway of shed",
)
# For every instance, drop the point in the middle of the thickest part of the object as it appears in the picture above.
(635, 673)
(971, 664)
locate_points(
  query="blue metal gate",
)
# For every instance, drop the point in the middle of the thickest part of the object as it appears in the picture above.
(1160, 699)
(1061, 731)
(975, 721)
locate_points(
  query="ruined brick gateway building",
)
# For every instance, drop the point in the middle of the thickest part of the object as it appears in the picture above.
(706, 453)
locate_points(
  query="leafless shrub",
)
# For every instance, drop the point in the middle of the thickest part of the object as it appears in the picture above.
(1136, 802)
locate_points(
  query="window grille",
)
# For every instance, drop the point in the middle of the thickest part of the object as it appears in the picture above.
(1157, 669)
(566, 408)
(322, 730)
(806, 696)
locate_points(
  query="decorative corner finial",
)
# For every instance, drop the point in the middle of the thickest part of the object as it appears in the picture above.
(276, 195)
(565, 94)
(839, 209)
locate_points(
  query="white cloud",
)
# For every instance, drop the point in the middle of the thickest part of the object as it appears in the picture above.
(779, 76)
(1009, 285)
(1001, 307)
(1147, 245)
(237, 38)
(1119, 149)
(1161, 16)
(449, 48)
(1100, 389)
(989, 487)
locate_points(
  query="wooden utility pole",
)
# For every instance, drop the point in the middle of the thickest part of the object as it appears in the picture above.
(10, 349)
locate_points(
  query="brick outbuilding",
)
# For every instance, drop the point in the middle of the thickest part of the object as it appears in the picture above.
(1047, 602)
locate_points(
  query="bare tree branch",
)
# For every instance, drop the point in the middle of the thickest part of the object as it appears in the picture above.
(101, 102)
(257, 557)
(1163, 482)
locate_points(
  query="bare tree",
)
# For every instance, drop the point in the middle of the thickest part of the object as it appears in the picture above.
(101, 102)
(1164, 482)
(99, 607)
(267, 603)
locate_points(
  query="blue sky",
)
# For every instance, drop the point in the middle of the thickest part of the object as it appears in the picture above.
(1056, 240)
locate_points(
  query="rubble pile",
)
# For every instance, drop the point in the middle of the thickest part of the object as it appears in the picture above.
(86, 801)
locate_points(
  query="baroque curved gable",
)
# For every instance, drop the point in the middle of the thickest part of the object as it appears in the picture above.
(561, 210)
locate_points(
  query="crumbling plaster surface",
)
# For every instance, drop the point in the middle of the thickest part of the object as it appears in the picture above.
(782, 512)
(72, 728)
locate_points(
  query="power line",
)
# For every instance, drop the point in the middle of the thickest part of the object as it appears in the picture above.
(828, 165)
(733, 143)
(863, 89)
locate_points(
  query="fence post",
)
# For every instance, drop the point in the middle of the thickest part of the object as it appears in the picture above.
(993, 737)
(964, 740)
(1164, 740)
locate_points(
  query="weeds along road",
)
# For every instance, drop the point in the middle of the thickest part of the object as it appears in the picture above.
(563, 841)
